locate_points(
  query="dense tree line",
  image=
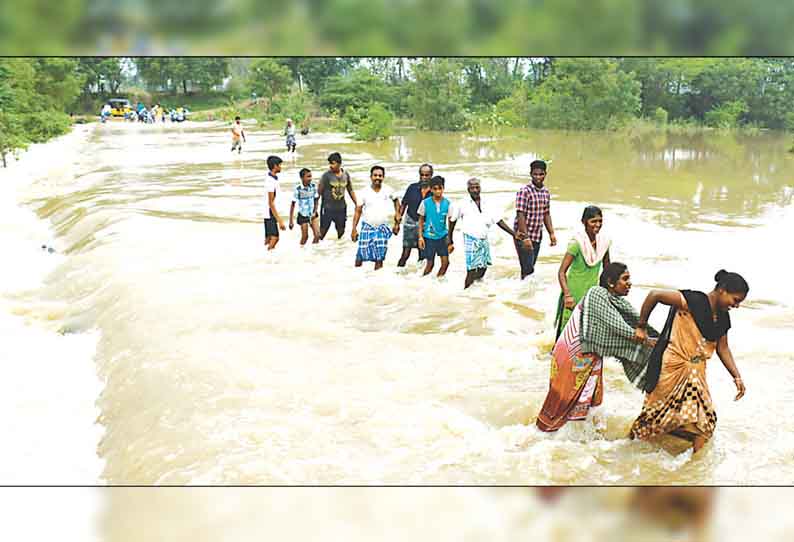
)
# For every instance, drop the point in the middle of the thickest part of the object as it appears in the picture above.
(565, 93)
(35, 95)
(433, 93)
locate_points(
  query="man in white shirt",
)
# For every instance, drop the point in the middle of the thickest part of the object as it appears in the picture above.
(378, 206)
(476, 223)
(237, 133)
(273, 221)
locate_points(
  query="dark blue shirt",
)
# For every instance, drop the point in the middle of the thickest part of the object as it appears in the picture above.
(412, 199)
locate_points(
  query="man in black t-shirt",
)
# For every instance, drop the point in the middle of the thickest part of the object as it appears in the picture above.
(414, 195)
(331, 190)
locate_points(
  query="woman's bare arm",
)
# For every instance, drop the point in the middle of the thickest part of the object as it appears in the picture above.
(726, 357)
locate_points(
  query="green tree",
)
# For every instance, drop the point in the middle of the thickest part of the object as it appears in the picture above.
(298, 106)
(584, 94)
(489, 79)
(666, 83)
(375, 124)
(205, 73)
(393, 71)
(356, 89)
(173, 73)
(238, 71)
(727, 80)
(439, 95)
(688, 88)
(726, 115)
(102, 76)
(776, 107)
(10, 130)
(58, 83)
(514, 109)
(268, 78)
(159, 73)
(34, 97)
(17, 96)
(312, 73)
(12, 135)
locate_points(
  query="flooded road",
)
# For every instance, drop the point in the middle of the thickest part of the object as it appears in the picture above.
(224, 364)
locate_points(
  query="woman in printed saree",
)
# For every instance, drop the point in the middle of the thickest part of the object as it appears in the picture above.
(678, 400)
(602, 324)
(581, 265)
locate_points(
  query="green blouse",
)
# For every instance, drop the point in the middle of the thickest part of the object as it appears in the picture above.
(581, 277)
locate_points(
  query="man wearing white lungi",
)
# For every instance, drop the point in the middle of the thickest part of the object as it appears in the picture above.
(476, 223)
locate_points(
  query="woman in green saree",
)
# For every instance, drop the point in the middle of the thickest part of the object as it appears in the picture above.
(581, 266)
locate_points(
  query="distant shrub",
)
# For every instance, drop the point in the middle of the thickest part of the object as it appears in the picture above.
(375, 124)
(660, 116)
(726, 115)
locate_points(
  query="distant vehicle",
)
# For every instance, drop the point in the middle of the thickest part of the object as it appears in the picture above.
(179, 114)
(120, 108)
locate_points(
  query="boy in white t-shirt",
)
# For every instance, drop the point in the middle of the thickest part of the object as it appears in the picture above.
(378, 207)
(273, 221)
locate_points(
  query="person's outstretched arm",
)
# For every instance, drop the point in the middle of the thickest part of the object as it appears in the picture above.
(726, 357)
(397, 215)
(356, 218)
(503, 225)
(273, 212)
(549, 228)
(420, 236)
(672, 298)
(351, 191)
(562, 278)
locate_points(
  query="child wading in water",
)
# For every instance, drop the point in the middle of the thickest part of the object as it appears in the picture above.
(434, 213)
(306, 197)
(273, 222)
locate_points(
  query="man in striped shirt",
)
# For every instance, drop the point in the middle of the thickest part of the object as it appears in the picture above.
(532, 213)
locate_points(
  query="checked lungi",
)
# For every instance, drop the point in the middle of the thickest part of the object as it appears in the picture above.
(373, 242)
(478, 252)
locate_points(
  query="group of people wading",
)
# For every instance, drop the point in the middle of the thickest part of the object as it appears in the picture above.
(594, 320)
(429, 217)
(669, 366)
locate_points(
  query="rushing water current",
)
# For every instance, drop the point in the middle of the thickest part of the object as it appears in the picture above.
(221, 363)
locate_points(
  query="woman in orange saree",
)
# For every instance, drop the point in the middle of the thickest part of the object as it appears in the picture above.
(680, 403)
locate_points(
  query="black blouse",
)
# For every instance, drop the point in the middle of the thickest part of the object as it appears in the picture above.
(700, 308)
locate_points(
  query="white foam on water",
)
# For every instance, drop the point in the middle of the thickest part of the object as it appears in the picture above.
(49, 383)
(226, 363)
